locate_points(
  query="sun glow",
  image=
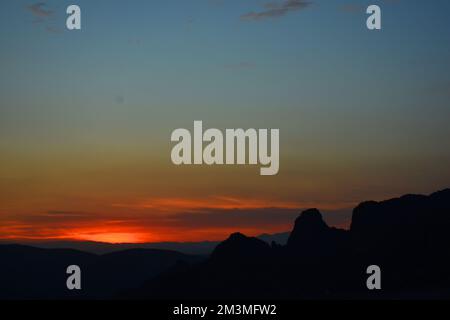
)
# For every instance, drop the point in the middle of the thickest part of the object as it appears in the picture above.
(114, 237)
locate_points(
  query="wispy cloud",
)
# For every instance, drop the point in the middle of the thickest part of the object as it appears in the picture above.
(168, 219)
(177, 205)
(39, 10)
(277, 9)
(43, 16)
(65, 214)
(213, 223)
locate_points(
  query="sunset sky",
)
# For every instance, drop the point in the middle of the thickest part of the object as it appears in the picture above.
(86, 116)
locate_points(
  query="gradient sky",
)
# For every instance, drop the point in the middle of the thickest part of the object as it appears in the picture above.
(86, 116)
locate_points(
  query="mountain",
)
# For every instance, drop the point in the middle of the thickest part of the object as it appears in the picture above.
(412, 222)
(229, 273)
(407, 237)
(311, 236)
(240, 247)
(32, 273)
(192, 248)
(36, 273)
(279, 238)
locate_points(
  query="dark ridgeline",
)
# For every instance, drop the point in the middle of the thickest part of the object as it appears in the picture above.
(407, 237)
(35, 273)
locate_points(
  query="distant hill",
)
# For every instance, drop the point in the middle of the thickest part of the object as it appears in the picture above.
(194, 248)
(36, 273)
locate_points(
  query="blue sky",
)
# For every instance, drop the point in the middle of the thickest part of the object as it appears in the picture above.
(140, 51)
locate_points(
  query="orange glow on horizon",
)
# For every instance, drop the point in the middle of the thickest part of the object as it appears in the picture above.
(132, 235)
(160, 220)
(114, 237)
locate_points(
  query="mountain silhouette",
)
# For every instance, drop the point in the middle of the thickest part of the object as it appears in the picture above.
(278, 238)
(34, 273)
(412, 222)
(406, 237)
(311, 236)
(239, 247)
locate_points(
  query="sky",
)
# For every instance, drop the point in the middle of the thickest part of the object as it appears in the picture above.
(86, 116)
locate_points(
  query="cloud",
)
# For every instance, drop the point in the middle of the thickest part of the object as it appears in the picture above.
(239, 219)
(43, 17)
(190, 225)
(61, 213)
(167, 219)
(39, 10)
(277, 9)
(177, 205)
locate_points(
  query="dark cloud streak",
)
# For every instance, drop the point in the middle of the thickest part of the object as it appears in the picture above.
(39, 10)
(277, 9)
